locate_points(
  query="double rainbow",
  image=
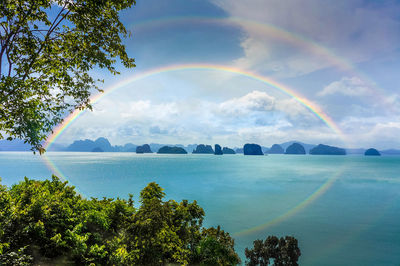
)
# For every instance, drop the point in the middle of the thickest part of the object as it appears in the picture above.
(328, 57)
(271, 30)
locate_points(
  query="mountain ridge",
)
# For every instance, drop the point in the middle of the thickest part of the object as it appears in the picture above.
(87, 145)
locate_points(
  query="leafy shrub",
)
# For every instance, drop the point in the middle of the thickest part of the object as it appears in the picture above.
(47, 221)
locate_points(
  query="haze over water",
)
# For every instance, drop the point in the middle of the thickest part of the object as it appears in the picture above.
(342, 209)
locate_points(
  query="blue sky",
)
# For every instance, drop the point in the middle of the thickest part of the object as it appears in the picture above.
(341, 55)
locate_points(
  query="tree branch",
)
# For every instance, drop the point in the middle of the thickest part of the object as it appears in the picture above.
(3, 47)
(5, 33)
(1, 59)
(9, 63)
(51, 29)
(12, 34)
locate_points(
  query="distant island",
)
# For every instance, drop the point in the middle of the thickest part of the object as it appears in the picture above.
(307, 146)
(203, 149)
(218, 149)
(390, 152)
(372, 152)
(239, 150)
(145, 148)
(322, 149)
(97, 149)
(252, 149)
(90, 145)
(171, 150)
(295, 148)
(226, 150)
(103, 145)
(276, 149)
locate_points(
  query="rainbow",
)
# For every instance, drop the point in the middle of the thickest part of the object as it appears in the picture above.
(57, 172)
(271, 30)
(312, 107)
(292, 211)
(321, 52)
(307, 44)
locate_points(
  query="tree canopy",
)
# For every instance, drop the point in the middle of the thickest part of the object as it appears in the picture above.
(47, 222)
(283, 251)
(47, 49)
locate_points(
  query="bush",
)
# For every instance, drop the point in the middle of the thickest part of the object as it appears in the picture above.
(47, 221)
(283, 251)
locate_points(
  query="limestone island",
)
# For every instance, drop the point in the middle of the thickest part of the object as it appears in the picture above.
(276, 149)
(203, 149)
(295, 148)
(97, 149)
(218, 150)
(143, 149)
(252, 149)
(171, 150)
(372, 152)
(239, 150)
(227, 150)
(322, 149)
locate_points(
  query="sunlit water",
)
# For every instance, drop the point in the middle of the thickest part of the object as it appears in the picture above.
(344, 210)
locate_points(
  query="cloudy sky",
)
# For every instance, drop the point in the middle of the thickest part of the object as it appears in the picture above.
(340, 57)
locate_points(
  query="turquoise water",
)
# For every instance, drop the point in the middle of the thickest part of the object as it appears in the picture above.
(344, 210)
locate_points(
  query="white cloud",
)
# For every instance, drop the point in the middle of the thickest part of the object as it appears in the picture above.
(261, 102)
(353, 97)
(380, 131)
(146, 110)
(255, 101)
(393, 103)
(253, 116)
(354, 30)
(294, 109)
(347, 86)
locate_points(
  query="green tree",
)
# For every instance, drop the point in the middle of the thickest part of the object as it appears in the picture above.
(47, 222)
(163, 231)
(47, 48)
(216, 248)
(279, 252)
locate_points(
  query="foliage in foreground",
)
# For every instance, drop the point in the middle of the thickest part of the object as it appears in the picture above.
(47, 222)
(283, 251)
(47, 50)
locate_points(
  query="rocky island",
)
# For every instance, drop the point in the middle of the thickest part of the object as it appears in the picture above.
(90, 145)
(227, 150)
(218, 150)
(276, 149)
(97, 149)
(203, 149)
(143, 149)
(295, 148)
(252, 149)
(322, 149)
(239, 150)
(171, 150)
(372, 152)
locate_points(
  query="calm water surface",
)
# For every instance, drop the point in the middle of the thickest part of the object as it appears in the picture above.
(344, 210)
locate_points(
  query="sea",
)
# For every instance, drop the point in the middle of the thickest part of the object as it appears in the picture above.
(344, 210)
